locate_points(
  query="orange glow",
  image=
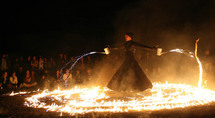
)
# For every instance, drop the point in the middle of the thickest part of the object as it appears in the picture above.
(97, 99)
(101, 99)
(200, 65)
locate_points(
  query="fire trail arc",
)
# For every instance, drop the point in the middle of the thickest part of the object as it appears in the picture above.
(101, 99)
(200, 65)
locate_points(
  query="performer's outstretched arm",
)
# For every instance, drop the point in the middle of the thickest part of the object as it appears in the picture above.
(144, 46)
(117, 48)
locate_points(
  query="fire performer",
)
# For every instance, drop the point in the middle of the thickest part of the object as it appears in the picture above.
(130, 76)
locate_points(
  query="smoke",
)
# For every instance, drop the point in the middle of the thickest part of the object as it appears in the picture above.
(169, 24)
(106, 68)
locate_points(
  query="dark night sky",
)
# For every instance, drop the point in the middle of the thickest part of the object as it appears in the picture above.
(34, 27)
(54, 26)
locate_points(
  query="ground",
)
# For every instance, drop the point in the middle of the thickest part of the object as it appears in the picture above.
(13, 106)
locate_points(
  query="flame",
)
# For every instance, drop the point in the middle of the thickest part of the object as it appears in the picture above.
(101, 99)
(200, 65)
(97, 99)
(22, 92)
(18, 93)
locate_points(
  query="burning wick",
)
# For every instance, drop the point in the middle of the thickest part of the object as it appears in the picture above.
(107, 51)
(159, 51)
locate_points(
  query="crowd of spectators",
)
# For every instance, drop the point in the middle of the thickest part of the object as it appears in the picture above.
(30, 73)
(33, 72)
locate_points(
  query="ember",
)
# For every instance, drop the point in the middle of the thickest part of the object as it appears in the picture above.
(96, 99)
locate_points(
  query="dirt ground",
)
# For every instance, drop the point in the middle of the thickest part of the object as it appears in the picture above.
(13, 107)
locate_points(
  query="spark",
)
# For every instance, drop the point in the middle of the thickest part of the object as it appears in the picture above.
(22, 92)
(187, 52)
(97, 99)
(200, 65)
(101, 99)
(77, 58)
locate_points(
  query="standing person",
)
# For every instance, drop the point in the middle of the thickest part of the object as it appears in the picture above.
(130, 76)
(16, 64)
(57, 77)
(89, 62)
(41, 67)
(28, 63)
(34, 63)
(67, 78)
(51, 65)
(88, 76)
(4, 80)
(45, 63)
(47, 80)
(4, 64)
(78, 78)
(61, 60)
(65, 58)
(41, 62)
